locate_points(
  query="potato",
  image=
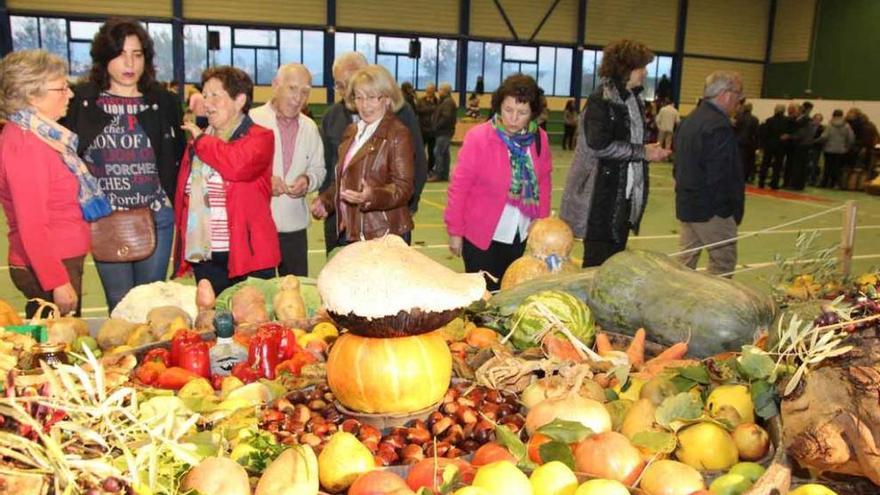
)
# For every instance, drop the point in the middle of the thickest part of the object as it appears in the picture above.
(114, 333)
(288, 303)
(160, 318)
(205, 320)
(249, 306)
(65, 329)
(141, 335)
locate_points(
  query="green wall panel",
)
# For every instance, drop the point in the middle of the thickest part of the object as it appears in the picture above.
(845, 61)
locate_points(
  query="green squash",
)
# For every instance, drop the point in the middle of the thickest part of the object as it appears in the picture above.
(673, 303)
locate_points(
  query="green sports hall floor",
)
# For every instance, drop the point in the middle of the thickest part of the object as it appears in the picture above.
(659, 230)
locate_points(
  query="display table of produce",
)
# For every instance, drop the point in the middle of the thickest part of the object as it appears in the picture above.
(391, 374)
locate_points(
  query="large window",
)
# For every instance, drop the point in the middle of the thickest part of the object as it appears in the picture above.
(436, 63)
(72, 41)
(549, 65)
(662, 65)
(258, 52)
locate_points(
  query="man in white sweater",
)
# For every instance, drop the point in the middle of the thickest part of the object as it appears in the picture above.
(298, 168)
(667, 119)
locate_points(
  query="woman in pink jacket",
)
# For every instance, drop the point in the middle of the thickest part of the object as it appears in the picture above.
(501, 182)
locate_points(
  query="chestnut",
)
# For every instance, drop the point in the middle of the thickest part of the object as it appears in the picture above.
(412, 454)
(351, 426)
(442, 425)
(418, 436)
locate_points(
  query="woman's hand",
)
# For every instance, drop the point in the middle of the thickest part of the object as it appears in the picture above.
(357, 197)
(192, 128)
(319, 211)
(455, 243)
(64, 296)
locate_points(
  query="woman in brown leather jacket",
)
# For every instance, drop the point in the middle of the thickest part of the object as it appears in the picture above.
(374, 176)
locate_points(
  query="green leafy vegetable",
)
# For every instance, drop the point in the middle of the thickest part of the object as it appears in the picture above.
(565, 431)
(658, 442)
(764, 397)
(755, 364)
(681, 407)
(556, 451)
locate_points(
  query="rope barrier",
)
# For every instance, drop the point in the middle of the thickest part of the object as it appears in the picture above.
(757, 232)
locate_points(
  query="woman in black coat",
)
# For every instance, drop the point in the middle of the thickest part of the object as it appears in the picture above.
(607, 187)
(131, 140)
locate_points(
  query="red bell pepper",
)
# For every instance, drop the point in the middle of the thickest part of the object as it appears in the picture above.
(264, 353)
(195, 357)
(246, 373)
(181, 339)
(287, 345)
(159, 356)
(175, 378)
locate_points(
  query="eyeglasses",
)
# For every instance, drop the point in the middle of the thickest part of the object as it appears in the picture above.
(64, 88)
(368, 99)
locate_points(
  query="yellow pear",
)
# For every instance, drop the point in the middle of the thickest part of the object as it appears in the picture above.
(602, 487)
(812, 489)
(343, 459)
(707, 447)
(553, 478)
(737, 396)
(639, 418)
(502, 478)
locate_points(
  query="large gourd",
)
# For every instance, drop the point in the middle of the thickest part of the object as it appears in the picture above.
(387, 375)
(634, 289)
(548, 249)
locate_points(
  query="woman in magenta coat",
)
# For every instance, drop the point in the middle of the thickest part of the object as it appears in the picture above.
(501, 182)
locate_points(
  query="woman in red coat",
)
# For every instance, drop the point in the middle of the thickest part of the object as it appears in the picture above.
(224, 221)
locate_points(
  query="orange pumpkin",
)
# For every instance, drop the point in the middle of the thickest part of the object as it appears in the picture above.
(8, 315)
(399, 374)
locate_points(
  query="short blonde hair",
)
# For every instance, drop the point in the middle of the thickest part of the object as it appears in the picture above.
(374, 79)
(23, 75)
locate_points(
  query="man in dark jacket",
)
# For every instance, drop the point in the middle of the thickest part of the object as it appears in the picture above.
(771, 140)
(709, 185)
(798, 140)
(746, 127)
(338, 117)
(443, 125)
(425, 107)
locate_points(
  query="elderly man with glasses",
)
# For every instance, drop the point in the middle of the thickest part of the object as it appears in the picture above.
(709, 182)
(338, 117)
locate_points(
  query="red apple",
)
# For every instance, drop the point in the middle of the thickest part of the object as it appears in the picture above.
(491, 452)
(428, 473)
(379, 482)
(609, 455)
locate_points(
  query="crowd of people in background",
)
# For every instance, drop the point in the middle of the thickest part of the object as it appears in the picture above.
(230, 182)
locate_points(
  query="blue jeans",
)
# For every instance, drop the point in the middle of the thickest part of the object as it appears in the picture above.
(441, 157)
(119, 278)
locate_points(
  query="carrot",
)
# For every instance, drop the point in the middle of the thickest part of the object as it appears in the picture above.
(675, 351)
(603, 344)
(636, 349)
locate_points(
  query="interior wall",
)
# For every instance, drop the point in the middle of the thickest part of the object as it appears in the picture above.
(301, 12)
(728, 28)
(653, 22)
(525, 16)
(695, 71)
(134, 8)
(417, 16)
(845, 63)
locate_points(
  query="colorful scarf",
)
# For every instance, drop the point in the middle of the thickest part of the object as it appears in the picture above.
(198, 218)
(523, 191)
(92, 201)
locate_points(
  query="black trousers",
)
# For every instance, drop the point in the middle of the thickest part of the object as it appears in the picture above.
(747, 154)
(568, 137)
(833, 169)
(216, 270)
(294, 253)
(494, 260)
(596, 252)
(429, 145)
(772, 159)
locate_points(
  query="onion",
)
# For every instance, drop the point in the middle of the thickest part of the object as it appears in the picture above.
(571, 407)
(609, 455)
(554, 387)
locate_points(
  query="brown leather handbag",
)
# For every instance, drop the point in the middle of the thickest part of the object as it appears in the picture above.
(124, 236)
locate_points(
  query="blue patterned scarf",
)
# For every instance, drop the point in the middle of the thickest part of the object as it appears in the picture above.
(92, 201)
(523, 191)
